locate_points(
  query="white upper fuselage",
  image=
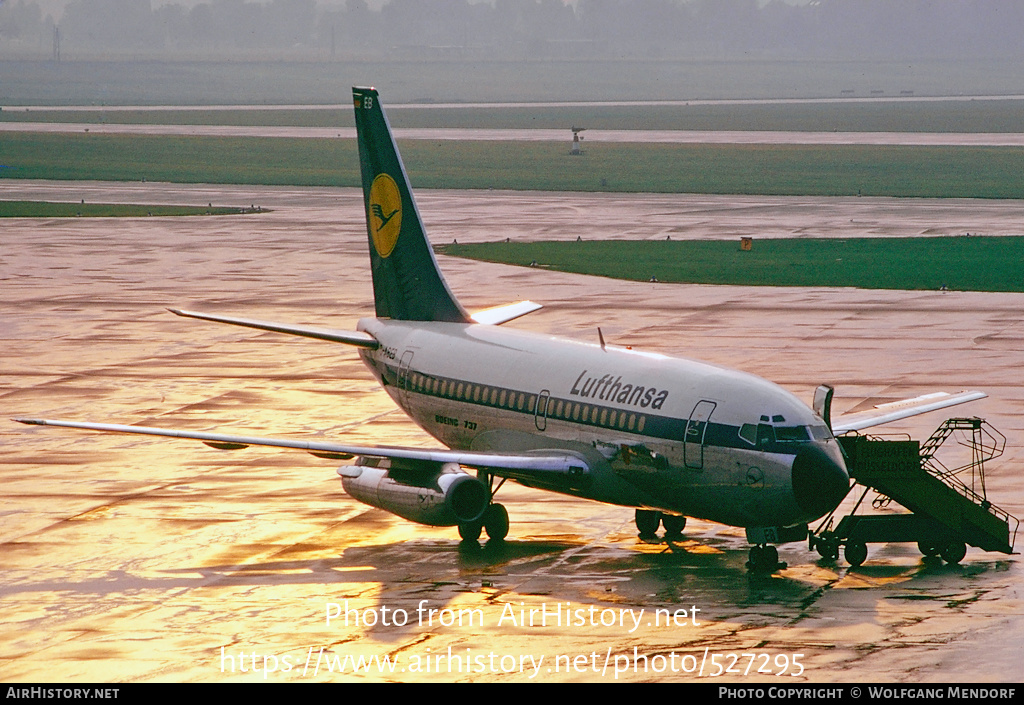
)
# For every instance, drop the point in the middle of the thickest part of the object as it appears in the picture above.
(659, 432)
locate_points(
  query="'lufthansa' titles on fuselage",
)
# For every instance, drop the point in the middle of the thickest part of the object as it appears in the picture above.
(608, 388)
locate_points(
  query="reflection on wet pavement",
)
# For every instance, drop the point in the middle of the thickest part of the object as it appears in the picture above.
(130, 558)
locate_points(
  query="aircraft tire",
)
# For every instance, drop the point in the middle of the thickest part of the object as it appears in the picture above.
(647, 522)
(674, 526)
(764, 559)
(471, 531)
(954, 551)
(855, 553)
(929, 549)
(496, 522)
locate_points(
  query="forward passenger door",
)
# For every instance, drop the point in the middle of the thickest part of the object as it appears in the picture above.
(693, 436)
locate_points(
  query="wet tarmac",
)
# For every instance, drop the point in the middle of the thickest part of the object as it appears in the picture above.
(135, 559)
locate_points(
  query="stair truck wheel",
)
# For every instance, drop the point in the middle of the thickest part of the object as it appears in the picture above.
(855, 553)
(954, 551)
(827, 548)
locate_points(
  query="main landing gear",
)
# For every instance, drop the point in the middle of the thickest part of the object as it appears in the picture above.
(494, 522)
(494, 519)
(648, 520)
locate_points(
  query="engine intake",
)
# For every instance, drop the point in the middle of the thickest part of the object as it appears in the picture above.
(443, 495)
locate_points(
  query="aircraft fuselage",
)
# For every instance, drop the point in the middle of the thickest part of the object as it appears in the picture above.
(657, 432)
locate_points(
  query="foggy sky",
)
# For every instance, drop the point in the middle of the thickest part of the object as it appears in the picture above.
(512, 29)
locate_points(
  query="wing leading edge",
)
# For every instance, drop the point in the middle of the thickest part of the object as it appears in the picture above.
(491, 316)
(353, 337)
(549, 464)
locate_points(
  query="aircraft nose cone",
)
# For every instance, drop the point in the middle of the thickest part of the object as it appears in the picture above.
(820, 481)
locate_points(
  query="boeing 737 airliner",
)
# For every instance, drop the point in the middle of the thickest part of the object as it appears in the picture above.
(673, 438)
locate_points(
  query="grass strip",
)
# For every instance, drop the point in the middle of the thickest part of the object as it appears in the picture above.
(958, 263)
(45, 209)
(816, 170)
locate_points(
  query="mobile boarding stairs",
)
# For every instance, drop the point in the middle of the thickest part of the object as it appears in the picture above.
(948, 509)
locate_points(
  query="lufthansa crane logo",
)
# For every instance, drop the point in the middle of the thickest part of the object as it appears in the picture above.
(385, 214)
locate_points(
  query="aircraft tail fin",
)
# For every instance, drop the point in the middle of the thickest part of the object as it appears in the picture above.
(407, 283)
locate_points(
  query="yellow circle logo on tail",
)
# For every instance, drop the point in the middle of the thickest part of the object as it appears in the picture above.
(385, 214)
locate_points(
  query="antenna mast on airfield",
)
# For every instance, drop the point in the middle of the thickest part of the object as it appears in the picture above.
(576, 139)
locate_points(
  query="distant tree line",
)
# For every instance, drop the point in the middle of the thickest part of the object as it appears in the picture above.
(518, 29)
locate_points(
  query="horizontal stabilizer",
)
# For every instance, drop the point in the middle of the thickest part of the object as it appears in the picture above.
(894, 411)
(353, 337)
(503, 314)
(550, 463)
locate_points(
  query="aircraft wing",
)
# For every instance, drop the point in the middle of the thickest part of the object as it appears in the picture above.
(349, 337)
(490, 316)
(894, 411)
(550, 464)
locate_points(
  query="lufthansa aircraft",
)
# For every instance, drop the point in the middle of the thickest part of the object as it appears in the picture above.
(673, 438)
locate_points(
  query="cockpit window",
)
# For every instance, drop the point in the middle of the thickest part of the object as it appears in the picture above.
(792, 433)
(820, 433)
(764, 434)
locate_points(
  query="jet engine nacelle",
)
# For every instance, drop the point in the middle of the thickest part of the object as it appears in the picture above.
(436, 495)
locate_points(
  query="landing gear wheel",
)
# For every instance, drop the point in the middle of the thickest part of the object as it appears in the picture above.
(754, 562)
(471, 531)
(674, 526)
(954, 551)
(764, 559)
(496, 522)
(647, 521)
(855, 553)
(929, 549)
